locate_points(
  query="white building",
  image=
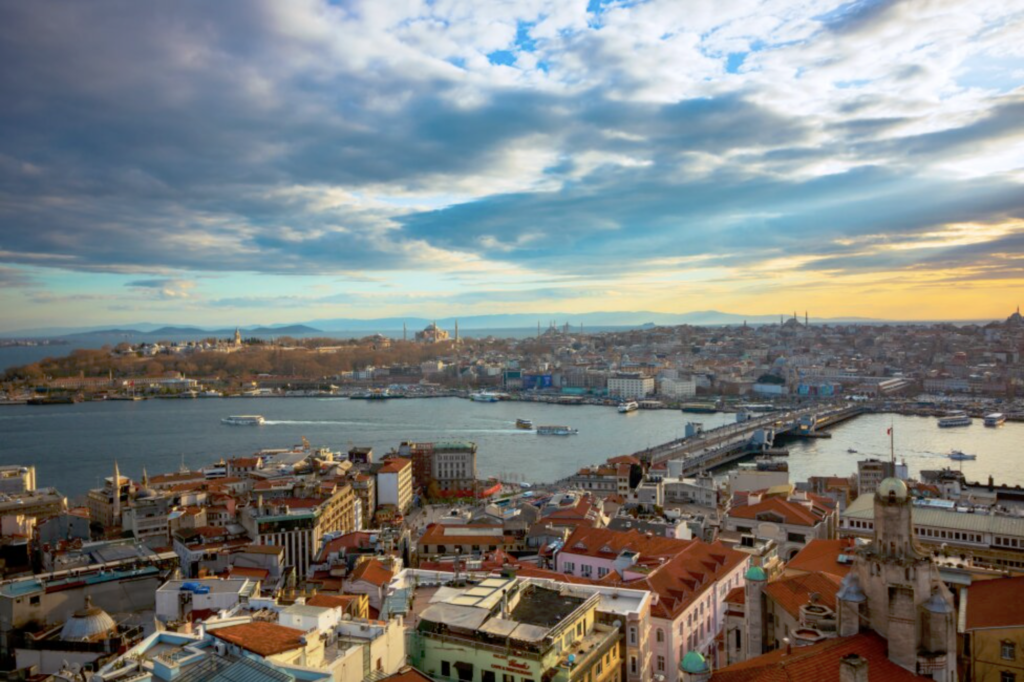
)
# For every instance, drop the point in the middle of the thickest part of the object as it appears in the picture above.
(630, 386)
(676, 388)
(175, 599)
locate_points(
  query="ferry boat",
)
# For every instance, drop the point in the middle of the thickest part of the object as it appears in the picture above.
(244, 420)
(959, 456)
(699, 408)
(955, 419)
(483, 397)
(630, 406)
(525, 424)
(211, 394)
(995, 419)
(556, 431)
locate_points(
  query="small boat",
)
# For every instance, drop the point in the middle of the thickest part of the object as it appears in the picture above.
(851, 451)
(556, 431)
(954, 419)
(995, 419)
(484, 397)
(629, 406)
(959, 456)
(525, 424)
(244, 420)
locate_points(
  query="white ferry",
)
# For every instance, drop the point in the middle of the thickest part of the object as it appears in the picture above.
(556, 431)
(955, 419)
(995, 419)
(483, 397)
(244, 420)
(630, 406)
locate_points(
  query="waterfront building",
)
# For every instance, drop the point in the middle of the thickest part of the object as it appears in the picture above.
(39, 504)
(453, 467)
(394, 484)
(17, 479)
(604, 479)
(630, 386)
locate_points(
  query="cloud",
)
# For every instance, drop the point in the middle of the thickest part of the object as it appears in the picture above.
(309, 138)
(15, 278)
(167, 289)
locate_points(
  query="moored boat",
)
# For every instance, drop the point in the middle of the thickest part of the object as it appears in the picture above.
(995, 419)
(556, 431)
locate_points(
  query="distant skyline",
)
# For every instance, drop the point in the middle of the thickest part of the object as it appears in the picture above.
(227, 163)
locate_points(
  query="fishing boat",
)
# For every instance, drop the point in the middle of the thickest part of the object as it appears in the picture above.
(244, 420)
(556, 431)
(524, 424)
(958, 456)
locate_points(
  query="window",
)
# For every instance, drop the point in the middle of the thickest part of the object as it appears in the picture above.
(446, 669)
(1006, 676)
(632, 634)
(601, 571)
(632, 665)
(660, 635)
(505, 677)
(795, 537)
(1008, 651)
(585, 570)
(487, 676)
(33, 600)
(661, 664)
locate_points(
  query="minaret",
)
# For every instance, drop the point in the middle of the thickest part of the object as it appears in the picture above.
(405, 334)
(238, 337)
(806, 318)
(456, 332)
(145, 478)
(116, 512)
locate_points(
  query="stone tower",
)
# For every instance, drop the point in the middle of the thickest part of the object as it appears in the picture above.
(753, 611)
(895, 589)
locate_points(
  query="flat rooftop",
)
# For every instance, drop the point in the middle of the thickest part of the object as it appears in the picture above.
(544, 607)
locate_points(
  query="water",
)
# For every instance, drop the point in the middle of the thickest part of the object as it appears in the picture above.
(16, 356)
(73, 446)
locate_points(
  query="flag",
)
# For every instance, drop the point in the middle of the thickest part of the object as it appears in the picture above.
(888, 431)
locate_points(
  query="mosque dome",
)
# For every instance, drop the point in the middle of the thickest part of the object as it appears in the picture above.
(756, 573)
(146, 494)
(88, 624)
(893, 486)
(693, 663)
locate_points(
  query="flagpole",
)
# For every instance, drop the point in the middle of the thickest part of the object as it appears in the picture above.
(892, 445)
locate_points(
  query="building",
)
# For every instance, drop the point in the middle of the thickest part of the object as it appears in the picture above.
(431, 334)
(16, 479)
(871, 472)
(365, 488)
(630, 386)
(147, 517)
(40, 504)
(176, 600)
(453, 467)
(507, 629)
(690, 578)
(106, 503)
(993, 540)
(993, 646)
(394, 484)
(677, 388)
(791, 522)
(442, 540)
(298, 524)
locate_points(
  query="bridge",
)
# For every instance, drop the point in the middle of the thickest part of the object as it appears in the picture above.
(702, 450)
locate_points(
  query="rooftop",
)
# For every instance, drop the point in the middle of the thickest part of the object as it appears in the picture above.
(262, 638)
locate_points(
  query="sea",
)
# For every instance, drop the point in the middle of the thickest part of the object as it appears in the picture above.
(74, 446)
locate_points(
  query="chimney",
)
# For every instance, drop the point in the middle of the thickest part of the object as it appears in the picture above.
(853, 668)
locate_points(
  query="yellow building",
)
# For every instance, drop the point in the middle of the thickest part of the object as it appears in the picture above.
(993, 641)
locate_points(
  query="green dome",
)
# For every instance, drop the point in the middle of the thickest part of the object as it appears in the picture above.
(895, 487)
(756, 573)
(694, 663)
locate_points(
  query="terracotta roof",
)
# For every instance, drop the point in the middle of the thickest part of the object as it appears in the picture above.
(818, 663)
(822, 555)
(265, 639)
(437, 534)
(373, 572)
(792, 513)
(264, 549)
(737, 595)
(793, 592)
(359, 539)
(393, 466)
(247, 572)
(606, 543)
(624, 459)
(995, 603)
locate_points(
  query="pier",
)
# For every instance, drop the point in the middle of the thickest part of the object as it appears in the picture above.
(701, 450)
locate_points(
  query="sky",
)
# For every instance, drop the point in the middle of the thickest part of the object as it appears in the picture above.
(274, 162)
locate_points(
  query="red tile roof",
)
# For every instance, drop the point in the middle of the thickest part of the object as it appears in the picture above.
(995, 603)
(792, 513)
(262, 638)
(373, 572)
(818, 663)
(394, 466)
(737, 595)
(822, 555)
(247, 572)
(793, 592)
(408, 674)
(333, 601)
(606, 543)
(437, 534)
